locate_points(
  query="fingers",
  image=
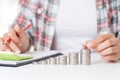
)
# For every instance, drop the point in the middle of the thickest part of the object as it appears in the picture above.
(19, 42)
(85, 44)
(24, 40)
(3, 47)
(111, 57)
(12, 45)
(13, 36)
(5, 37)
(19, 31)
(99, 40)
(109, 50)
(106, 44)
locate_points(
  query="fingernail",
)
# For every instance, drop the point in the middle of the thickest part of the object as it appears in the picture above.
(89, 45)
(84, 47)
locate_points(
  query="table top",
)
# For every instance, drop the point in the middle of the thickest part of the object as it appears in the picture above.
(98, 70)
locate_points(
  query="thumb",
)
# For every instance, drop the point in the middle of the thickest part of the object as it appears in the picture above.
(20, 32)
(86, 43)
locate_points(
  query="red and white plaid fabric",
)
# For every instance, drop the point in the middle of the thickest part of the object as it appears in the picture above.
(108, 15)
(42, 14)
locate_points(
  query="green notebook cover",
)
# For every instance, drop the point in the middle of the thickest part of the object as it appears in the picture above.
(14, 56)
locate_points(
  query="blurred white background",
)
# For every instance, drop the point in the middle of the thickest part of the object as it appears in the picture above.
(8, 12)
(76, 23)
(79, 15)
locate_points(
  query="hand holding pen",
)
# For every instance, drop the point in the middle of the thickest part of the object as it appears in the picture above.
(25, 28)
(16, 40)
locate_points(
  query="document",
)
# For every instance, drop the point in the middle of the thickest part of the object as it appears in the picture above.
(33, 56)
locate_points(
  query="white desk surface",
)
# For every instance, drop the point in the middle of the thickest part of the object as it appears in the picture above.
(98, 70)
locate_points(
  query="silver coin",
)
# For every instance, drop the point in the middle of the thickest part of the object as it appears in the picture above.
(35, 63)
(63, 60)
(53, 61)
(44, 62)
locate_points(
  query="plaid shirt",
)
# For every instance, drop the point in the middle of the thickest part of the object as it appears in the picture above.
(42, 15)
(108, 16)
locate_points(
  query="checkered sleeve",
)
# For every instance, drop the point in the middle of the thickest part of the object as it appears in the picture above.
(46, 24)
(25, 14)
(108, 12)
(118, 17)
(42, 15)
(103, 19)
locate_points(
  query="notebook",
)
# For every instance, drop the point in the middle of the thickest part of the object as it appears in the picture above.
(26, 58)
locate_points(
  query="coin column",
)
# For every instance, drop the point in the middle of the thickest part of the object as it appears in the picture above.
(85, 56)
(73, 58)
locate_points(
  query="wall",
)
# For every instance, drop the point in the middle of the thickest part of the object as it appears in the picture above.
(8, 11)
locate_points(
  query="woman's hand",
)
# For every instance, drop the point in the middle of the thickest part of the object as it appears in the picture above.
(19, 42)
(107, 45)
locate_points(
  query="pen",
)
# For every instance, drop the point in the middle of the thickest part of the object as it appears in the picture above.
(25, 28)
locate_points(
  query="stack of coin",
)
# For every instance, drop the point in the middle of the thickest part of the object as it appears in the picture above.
(53, 61)
(48, 61)
(86, 56)
(73, 58)
(62, 60)
(35, 62)
(80, 57)
(44, 62)
(40, 62)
